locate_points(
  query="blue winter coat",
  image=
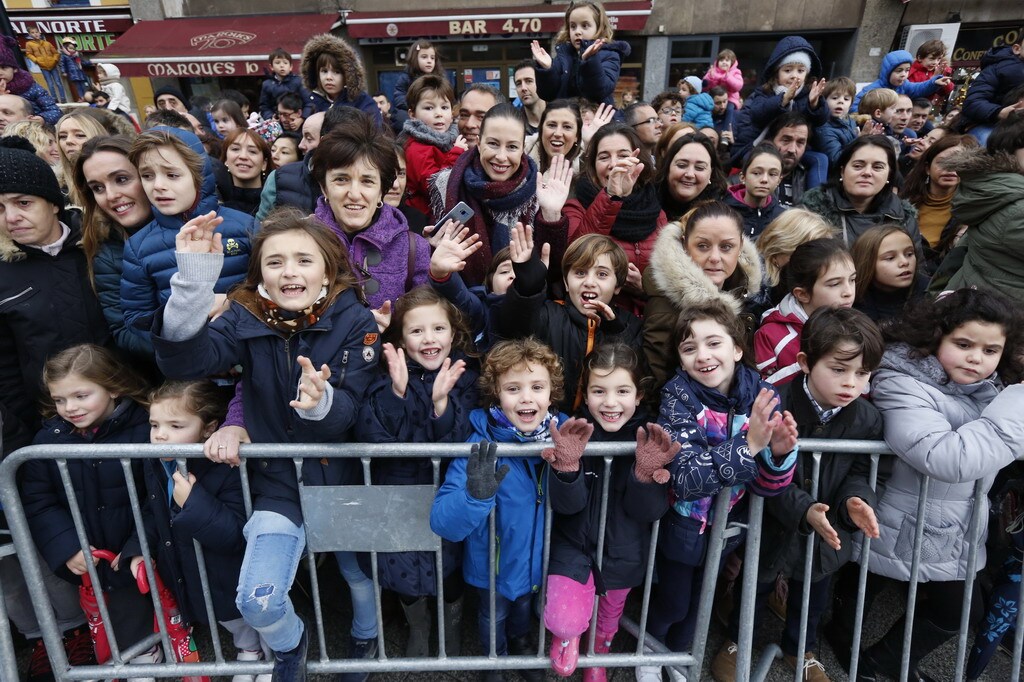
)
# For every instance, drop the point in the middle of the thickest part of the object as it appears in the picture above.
(386, 418)
(317, 102)
(398, 102)
(593, 79)
(830, 138)
(72, 67)
(42, 103)
(760, 108)
(100, 489)
(909, 88)
(458, 516)
(149, 253)
(107, 271)
(1001, 72)
(274, 89)
(698, 110)
(345, 338)
(214, 514)
(477, 304)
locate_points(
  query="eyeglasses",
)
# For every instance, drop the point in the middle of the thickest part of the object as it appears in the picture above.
(371, 258)
(671, 112)
(652, 120)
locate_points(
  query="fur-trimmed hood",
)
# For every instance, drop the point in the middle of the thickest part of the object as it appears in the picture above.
(977, 161)
(677, 277)
(989, 184)
(351, 66)
(12, 252)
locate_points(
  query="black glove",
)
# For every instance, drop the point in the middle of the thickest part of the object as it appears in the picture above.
(482, 480)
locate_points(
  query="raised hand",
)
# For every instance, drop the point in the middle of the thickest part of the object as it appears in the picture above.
(482, 480)
(435, 233)
(553, 188)
(444, 382)
(222, 446)
(785, 435)
(654, 450)
(451, 252)
(461, 143)
(603, 116)
(817, 87)
(594, 48)
(634, 278)
(312, 384)
(520, 245)
(540, 55)
(624, 174)
(198, 236)
(570, 442)
(863, 516)
(762, 424)
(397, 369)
(871, 127)
(817, 519)
(382, 316)
(790, 93)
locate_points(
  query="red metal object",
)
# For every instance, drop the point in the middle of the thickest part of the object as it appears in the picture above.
(87, 599)
(181, 635)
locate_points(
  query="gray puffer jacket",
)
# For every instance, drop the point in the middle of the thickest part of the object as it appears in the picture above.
(954, 433)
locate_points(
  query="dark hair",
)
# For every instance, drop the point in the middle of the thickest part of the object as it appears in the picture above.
(412, 64)
(1014, 95)
(233, 110)
(717, 185)
(762, 148)
(879, 141)
(610, 356)
(718, 91)
(931, 48)
(865, 254)
(294, 137)
(716, 311)
(168, 118)
(915, 185)
(201, 397)
(828, 328)
(667, 96)
(253, 137)
(524, 64)
(438, 85)
(842, 85)
(351, 142)
(235, 96)
(790, 119)
(279, 53)
(574, 151)
(97, 364)
(426, 295)
(584, 251)
(922, 103)
(345, 116)
(608, 130)
(629, 114)
(290, 101)
(1008, 135)
(498, 95)
(717, 209)
(926, 322)
(154, 140)
(496, 261)
(505, 110)
(810, 260)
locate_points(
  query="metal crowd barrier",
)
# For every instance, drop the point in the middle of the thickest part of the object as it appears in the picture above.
(352, 518)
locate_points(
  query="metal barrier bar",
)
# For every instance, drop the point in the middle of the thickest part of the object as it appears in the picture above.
(973, 537)
(1018, 637)
(8, 662)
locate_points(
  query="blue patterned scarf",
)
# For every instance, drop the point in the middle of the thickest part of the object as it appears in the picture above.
(508, 432)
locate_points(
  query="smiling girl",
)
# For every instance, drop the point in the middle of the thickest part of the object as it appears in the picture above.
(246, 161)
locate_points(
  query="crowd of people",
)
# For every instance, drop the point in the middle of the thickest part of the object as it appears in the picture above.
(709, 276)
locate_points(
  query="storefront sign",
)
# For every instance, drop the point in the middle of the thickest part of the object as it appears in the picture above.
(89, 34)
(187, 69)
(973, 43)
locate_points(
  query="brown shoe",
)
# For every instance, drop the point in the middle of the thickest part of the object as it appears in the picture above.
(723, 668)
(814, 671)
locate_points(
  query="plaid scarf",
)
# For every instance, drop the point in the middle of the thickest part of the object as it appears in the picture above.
(285, 321)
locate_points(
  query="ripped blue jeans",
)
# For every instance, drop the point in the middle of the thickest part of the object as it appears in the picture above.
(274, 546)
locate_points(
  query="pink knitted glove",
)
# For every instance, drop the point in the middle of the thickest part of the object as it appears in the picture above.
(570, 442)
(654, 450)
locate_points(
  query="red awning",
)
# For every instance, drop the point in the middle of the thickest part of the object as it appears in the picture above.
(625, 16)
(211, 46)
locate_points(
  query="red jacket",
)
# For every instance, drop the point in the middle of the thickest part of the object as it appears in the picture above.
(777, 341)
(918, 74)
(421, 161)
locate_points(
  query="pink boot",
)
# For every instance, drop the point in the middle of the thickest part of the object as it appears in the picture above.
(601, 646)
(565, 654)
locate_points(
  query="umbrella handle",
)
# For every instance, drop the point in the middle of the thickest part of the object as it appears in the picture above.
(141, 579)
(104, 554)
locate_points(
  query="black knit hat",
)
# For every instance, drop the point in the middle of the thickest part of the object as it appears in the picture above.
(22, 172)
(174, 92)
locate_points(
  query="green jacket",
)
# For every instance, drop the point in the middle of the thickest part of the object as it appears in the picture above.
(990, 201)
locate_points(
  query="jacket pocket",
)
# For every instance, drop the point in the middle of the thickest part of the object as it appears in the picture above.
(680, 540)
(17, 299)
(937, 545)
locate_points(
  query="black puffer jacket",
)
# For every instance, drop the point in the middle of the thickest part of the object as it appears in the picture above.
(47, 304)
(841, 477)
(632, 508)
(296, 187)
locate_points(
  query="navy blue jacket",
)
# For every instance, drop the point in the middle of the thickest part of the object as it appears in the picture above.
(106, 271)
(318, 102)
(345, 338)
(149, 261)
(214, 514)
(477, 304)
(632, 508)
(386, 418)
(1001, 72)
(72, 66)
(274, 89)
(296, 187)
(593, 79)
(100, 489)
(829, 139)
(760, 108)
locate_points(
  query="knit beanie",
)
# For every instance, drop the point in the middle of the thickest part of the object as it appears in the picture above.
(174, 92)
(695, 83)
(22, 172)
(7, 51)
(799, 57)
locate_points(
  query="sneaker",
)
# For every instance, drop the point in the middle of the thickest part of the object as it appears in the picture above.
(154, 655)
(814, 671)
(723, 668)
(359, 650)
(565, 654)
(246, 655)
(39, 669)
(290, 666)
(648, 673)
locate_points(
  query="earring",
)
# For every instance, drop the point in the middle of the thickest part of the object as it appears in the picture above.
(380, 203)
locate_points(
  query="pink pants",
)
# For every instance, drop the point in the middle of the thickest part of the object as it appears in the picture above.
(570, 605)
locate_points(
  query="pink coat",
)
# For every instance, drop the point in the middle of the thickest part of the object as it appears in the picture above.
(731, 80)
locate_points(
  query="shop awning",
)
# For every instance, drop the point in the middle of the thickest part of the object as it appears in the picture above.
(211, 46)
(530, 19)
